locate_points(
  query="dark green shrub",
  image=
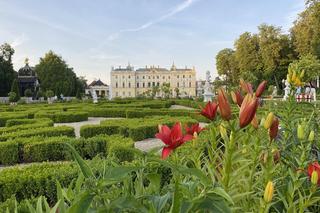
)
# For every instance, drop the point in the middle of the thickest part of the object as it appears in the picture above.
(8, 116)
(9, 152)
(63, 116)
(44, 131)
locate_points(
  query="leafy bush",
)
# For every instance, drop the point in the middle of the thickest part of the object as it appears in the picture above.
(15, 122)
(136, 129)
(63, 117)
(43, 131)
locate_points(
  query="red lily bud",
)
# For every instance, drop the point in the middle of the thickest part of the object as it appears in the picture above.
(247, 110)
(224, 106)
(246, 87)
(254, 122)
(237, 97)
(195, 128)
(210, 110)
(261, 88)
(273, 131)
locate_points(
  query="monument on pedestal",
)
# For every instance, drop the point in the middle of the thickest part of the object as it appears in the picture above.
(94, 96)
(207, 95)
(287, 90)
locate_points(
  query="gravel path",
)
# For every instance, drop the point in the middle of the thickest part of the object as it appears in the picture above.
(78, 125)
(180, 107)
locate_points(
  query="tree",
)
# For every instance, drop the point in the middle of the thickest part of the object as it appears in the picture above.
(154, 91)
(7, 73)
(165, 88)
(248, 57)
(310, 65)
(306, 30)
(55, 74)
(227, 66)
(28, 93)
(15, 89)
(177, 91)
(275, 52)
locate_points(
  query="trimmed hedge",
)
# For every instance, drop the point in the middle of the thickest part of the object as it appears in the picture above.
(30, 124)
(8, 116)
(43, 131)
(35, 180)
(38, 149)
(137, 129)
(64, 116)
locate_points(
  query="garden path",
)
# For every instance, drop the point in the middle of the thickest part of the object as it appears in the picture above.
(78, 125)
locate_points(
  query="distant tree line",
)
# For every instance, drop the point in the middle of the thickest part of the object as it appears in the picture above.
(53, 72)
(269, 53)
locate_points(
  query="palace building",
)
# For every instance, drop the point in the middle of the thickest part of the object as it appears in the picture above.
(128, 82)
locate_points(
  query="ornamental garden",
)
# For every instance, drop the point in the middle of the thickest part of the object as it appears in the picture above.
(239, 153)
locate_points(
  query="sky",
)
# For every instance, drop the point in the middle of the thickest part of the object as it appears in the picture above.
(92, 36)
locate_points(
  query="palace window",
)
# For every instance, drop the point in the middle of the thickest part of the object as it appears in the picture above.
(123, 84)
(142, 77)
(189, 84)
(169, 77)
(137, 85)
(158, 84)
(123, 93)
(149, 77)
(116, 84)
(183, 76)
(153, 84)
(178, 84)
(129, 85)
(129, 76)
(149, 84)
(189, 76)
(157, 77)
(163, 77)
(143, 84)
(177, 76)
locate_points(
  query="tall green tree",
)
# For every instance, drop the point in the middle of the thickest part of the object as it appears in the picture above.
(55, 74)
(7, 73)
(15, 89)
(306, 30)
(248, 57)
(227, 66)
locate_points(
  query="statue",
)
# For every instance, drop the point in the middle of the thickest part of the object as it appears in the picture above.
(286, 90)
(207, 95)
(94, 96)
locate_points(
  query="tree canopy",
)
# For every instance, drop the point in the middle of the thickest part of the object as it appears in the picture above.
(7, 73)
(56, 75)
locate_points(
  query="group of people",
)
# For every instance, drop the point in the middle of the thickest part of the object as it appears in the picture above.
(309, 93)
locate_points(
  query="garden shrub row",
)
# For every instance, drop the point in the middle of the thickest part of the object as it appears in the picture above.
(36, 123)
(63, 116)
(42, 131)
(38, 149)
(136, 128)
(8, 116)
(23, 121)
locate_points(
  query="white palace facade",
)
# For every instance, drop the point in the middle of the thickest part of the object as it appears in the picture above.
(127, 82)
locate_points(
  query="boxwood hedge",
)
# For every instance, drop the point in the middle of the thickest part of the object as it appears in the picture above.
(63, 116)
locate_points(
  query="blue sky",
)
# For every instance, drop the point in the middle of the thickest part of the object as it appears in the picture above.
(94, 35)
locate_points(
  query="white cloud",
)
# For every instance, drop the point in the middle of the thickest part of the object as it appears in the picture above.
(179, 8)
(19, 40)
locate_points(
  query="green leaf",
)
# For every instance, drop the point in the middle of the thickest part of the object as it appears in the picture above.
(119, 172)
(177, 199)
(83, 204)
(62, 208)
(54, 209)
(39, 205)
(221, 192)
(85, 169)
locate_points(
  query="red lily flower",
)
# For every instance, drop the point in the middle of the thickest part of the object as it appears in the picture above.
(210, 110)
(224, 106)
(247, 110)
(274, 128)
(261, 88)
(195, 128)
(237, 97)
(314, 167)
(172, 138)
